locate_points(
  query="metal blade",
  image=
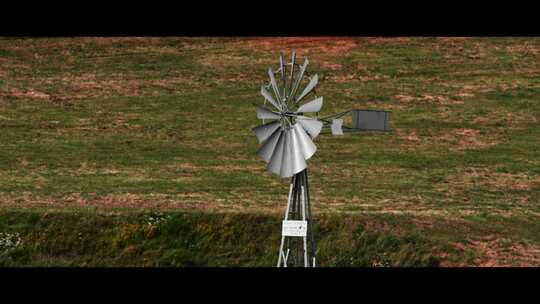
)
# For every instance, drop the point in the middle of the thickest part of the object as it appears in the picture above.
(336, 127)
(274, 84)
(269, 146)
(264, 113)
(293, 58)
(269, 98)
(298, 159)
(264, 131)
(299, 79)
(286, 162)
(311, 85)
(305, 142)
(283, 68)
(312, 126)
(312, 106)
(274, 165)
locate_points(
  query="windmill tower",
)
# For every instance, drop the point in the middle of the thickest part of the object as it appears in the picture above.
(286, 144)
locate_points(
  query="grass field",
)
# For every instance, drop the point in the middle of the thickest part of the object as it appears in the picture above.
(98, 134)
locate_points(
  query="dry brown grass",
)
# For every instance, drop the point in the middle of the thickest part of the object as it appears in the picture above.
(71, 87)
(470, 178)
(451, 139)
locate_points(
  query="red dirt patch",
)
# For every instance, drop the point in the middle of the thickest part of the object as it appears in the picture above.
(331, 66)
(495, 254)
(342, 78)
(28, 94)
(333, 46)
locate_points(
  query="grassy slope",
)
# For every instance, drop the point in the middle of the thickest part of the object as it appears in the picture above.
(143, 238)
(165, 123)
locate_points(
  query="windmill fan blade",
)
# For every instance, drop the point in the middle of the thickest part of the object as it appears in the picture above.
(298, 160)
(293, 158)
(283, 69)
(336, 127)
(281, 66)
(300, 76)
(268, 148)
(269, 98)
(286, 162)
(274, 165)
(312, 126)
(274, 83)
(307, 146)
(264, 131)
(312, 106)
(311, 85)
(293, 58)
(264, 113)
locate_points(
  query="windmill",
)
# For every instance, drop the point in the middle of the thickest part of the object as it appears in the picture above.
(286, 144)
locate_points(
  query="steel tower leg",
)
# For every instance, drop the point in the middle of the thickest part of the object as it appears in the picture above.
(296, 250)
